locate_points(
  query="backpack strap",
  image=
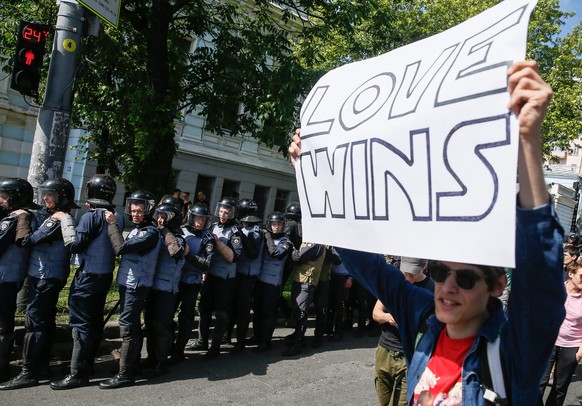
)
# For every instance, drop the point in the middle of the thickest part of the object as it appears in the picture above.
(492, 380)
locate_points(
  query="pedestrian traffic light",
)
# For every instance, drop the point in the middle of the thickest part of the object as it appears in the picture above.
(28, 57)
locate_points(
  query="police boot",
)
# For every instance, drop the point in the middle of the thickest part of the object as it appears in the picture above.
(212, 353)
(338, 333)
(78, 376)
(296, 339)
(320, 322)
(6, 341)
(129, 356)
(200, 345)
(25, 379)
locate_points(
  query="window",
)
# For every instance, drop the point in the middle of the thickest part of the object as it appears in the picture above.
(281, 200)
(260, 197)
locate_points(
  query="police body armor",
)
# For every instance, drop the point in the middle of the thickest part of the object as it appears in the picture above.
(49, 259)
(168, 272)
(137, 269)
(14, 261)
(196, 243)
(272, 270)
(221, 267)
(99, 257)
(308, 273)
(245, 265)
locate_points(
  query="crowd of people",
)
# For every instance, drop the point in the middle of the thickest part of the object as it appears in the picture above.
(173, 261)
(445, 340)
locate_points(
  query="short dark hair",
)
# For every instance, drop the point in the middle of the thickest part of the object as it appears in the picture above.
(572, 250)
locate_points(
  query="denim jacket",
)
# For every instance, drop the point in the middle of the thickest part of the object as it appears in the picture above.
(527, 334)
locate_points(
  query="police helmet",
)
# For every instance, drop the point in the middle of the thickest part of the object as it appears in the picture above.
(276, 216)
(199, 210)
(19, 193)
(169, 199)
(293, 211)
(141, 197)
(63, 190)
(101, 190)
(226, 202)
(173, 213)
(248, 211)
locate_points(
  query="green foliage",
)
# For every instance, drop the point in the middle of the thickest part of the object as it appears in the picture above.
(171, 57)
(346, 31)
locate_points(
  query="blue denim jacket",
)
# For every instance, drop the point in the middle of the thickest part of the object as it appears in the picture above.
(527, 334)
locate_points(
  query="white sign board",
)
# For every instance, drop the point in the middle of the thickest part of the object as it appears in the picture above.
(414, 152)
(107, 10)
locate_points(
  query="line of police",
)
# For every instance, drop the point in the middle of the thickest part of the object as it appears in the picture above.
(166, 261)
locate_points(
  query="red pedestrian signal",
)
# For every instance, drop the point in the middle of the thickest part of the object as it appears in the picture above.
(28, 57)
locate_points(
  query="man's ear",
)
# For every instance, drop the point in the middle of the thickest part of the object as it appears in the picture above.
(500, 284)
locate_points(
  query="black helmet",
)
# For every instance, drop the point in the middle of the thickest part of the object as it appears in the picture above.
(248, 211)
(293, 211)
(199, 210)
(276, 216)
(64, 193)
(169, 199)
(19, 193)
(101, 190)
(227, 202)
(173, 213)
(141, 197)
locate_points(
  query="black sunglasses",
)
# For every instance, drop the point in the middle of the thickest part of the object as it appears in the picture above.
(465, 278)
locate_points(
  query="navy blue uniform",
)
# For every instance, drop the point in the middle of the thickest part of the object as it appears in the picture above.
(198, 260)
(95, 259)
(13, 265)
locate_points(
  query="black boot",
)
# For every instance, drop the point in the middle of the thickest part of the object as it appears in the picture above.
(212, 353)
(130, 350)
(25, 379)
(120, 380)
(200, 345)
(78, 376)
(71, 381)
(6, 341)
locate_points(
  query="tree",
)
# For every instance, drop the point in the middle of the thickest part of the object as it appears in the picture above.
(349, 32)
(136, 80)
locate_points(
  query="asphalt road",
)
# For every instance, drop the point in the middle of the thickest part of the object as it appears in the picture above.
(340, 373)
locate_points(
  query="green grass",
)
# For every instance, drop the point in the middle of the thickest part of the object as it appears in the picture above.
(112, 298)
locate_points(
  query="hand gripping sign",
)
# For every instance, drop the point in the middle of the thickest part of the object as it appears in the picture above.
(414, 152)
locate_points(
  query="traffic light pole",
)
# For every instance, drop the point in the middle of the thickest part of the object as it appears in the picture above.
(52, 129)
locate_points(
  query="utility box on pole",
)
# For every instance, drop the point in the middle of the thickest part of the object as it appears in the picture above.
(52, 129)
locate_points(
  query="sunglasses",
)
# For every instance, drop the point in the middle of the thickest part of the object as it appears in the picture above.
(465, 278)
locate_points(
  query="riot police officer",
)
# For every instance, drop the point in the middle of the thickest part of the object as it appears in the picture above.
(201, 248)
(160, 304)
(307, 265)
(48, 269)
(248, 267)
(15, 204)
(277, 248)
(218, 288)
(139, 255)
(95, 259)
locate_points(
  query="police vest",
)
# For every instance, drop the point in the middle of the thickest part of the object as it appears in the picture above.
(245, 265)
(221, 267)
(168, 272)
(138, 269)
(13, 264)
(272, 270)
(14, 260)
(99, 257)
(308, 273)
(50, 259)
(197, 244)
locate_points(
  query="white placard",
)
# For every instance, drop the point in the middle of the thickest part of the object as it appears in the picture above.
(414, 152)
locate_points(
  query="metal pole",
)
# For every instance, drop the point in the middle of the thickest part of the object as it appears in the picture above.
(52, 129)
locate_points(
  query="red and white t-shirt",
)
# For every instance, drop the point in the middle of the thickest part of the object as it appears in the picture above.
(441, 381)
